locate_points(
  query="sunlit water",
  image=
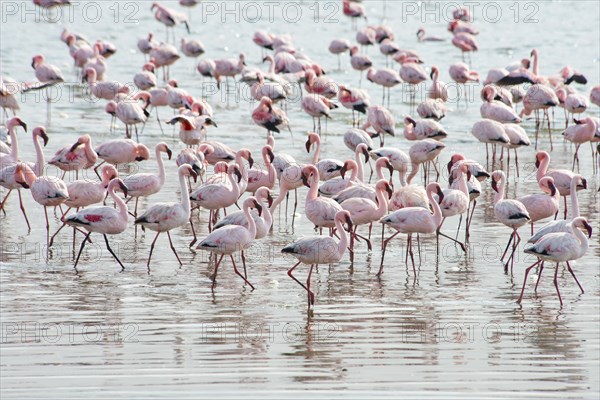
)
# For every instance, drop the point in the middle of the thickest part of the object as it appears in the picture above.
(454, 330)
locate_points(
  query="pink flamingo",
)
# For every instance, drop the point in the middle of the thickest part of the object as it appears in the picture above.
(146, 79)
(320, 85)
(490, 132)
(466, 43)
(423, 129)
(411, 72)
(496, 110)
(317, 250)
(411, 220)
(48, 75)
(170, 18)
(354, 11)
(273, 90)
(317, 106)
(192, 130)
(359, 62)
(263, 222)
(563, 224)
(8, 100)
(195, 159)
(221, 152)
(432, 109)
(232, 238)
(562, 177)
(320, 211)
(269, 117)
(364, 211)
(398, 159)
(80, 155)
(461, 73)
(460, 26)
(353, 137)
(164, 217)
(511, 213)
(517, 138)
(264, 40)
(84, 193)
(130, 112)
(583, 131)
(121, 151)
(539, 97)
(192, 48)
(103, 219)
(12, 157)
(423, 37)
(366, 36)
(382, 120)
(438, 88)
(216, 195)
(354, 99)
(336, 185)
(573, 103)
(388, 48)
(362, 190)
(163, 56)
(339, 46)
(328, 167)
(456, 202)
(560, 247)
(258, 178)
(145, 45)
(595, 95)
(228, 68)
(424, 152)
(103, 89)
(385, 77)
(147, 184)
(541, 205)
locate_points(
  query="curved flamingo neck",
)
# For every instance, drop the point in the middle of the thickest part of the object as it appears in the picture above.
(39, 153)
(500, 194)
(235, 186)
(583, 240)
(271, 65)
(119, 202)
(360, 169)
(543, 169)
(161, 167)
(413, 172)
(574, 199)
(240, 162)
(462, 183)
(383, 204)
(354, 173)
(437, 211)
(272, 173)
(267, 216)
(14, 150)
(317, 154)
(90, 154)
(343, 243)
(314, 186)
(251, 223)
(409, 132)
(185, 195)
(535, 63)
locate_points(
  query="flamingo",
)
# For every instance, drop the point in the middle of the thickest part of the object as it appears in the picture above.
(163, 56)
(496, 110)
(398, 159)
(263, 39)
(195, 159)
(541, 206)
(328, 168)
(353, 137)
(273, 90)
(560, 247)
(335, 185)
(511, 213)
(216, 195)
(84, 193)
(411, 220)
(164, 217)
(263, 222)
(423, 37)
(7, 159)
(228, 68)
(460, 26)
(490, 132)
(382, 120)
(75, 158)
(221, 152)
(232, 238)
(169, 17)
(423, 129)
(388, 48)
(517, 138)
(354, 99)
(366, 36)
(562, 225)
(145, 45)
(8, 100)
(319, 210)
(432, 109)
(258, 178)
(103, 89)
(595, 95)
(385, 77)
(465, 42)
(321, 85)
(121, 151)
(130, 112)
(583, 131)
(192, 48)
(240, 156)
(438, 88)
(456, 202)
(573, 103)
(317, 106)
(562, 177)
(339, 46)
(539, 97)
(411, 72)
(103, 219)
(48, 75)
(146, 79)
(192, 130)
(354, 11)
(147, 184)
(383, 32)
(269, 117)
(317, 250)
(363, 190)
(424, 152)
(461, 73)
(364, 211)
(359, 62)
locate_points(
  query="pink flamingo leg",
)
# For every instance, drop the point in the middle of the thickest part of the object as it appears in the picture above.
(525, 280)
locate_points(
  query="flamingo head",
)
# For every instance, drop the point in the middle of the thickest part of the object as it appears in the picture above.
(84, 139)
(209, 121)
(582, 223)
(353, 50)
(40, 131)
(109, 172)
(420, 33)
(452, 25)
(409, 121)
(149, 67)
(14, 121)
(311, 139)
(245, 153)
(539, 157)
(188, 170)
(242, 59)
(534, 53)
(526, 63)
(268, 154)
(162, 147)
(307, 173)
(267, 102)
(265, 193)
(118, 184)
(581, 182)
(454, 159)
(37, 60)
(251, 202)
(235, 169)
(89, 75)
(435, 187)
(206, 149)
(173, 83)
(345, 217)
(111, 108)
(20, 175)
(348, 164)
(496, 176)
(364, 149)
(142, 153)
(384, 186)
(434, 72)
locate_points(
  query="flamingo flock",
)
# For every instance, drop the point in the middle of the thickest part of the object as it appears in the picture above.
(215, 176)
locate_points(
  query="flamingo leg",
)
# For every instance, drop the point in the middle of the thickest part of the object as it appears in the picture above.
(47, 230)
(539, 276)
(525, 279)
(113, 253)
(4, 200)
(81, 249)
(574, 277)
(238, 272)
(385, 243)
(151, 250)
(369, 245)
(213, 277)
(556, 284)
(310, 294)
(23, 210)
(412, 255)
(244, 264)
(507, 246)
(193, 232)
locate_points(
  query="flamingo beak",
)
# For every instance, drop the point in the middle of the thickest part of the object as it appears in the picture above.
(583, 183)
(440, 194)
(349, 222)
(33, 63)
(588, 227)
(258, 208)
(194, 175)
(209, 121)
(390, 167)
(44, 138)
(123, 188)
(250, 160)
(343, 170)
(24, 184)
(238, 173)
(450, 164)
(169, 152)
(271, 156)
(494, 185)
(552, 189)
(366, 154)
(537, 162)
(389, 190)
(307, 145)
(269, 200)
(468, 175)
(450, 179)
(23, 124)
(305, 180)
(76, 145)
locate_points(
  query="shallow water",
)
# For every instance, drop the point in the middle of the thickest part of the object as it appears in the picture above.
(453, 331)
